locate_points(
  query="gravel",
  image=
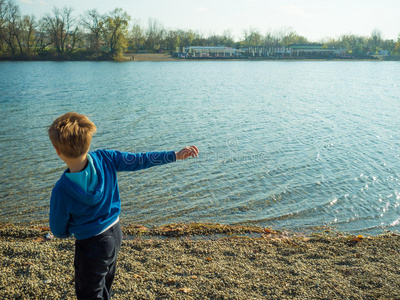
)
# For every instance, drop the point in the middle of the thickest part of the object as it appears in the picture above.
(255, 264)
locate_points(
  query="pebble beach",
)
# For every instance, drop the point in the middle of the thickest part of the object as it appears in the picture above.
(209, 261)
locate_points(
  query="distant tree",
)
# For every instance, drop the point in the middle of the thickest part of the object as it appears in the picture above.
(22, 31)
(287, 36)
(271, 40)
(199, 39)
(154, 35)
(328, 42)
(354, 44)
(3, 22)
(136, 37)
(301, 39)
(396, 48)
(181, 39)
(42, 38)
(3, 9)
(10, 24)
(376, 40)
(172, 39)
(62, 28)
(252, 37)
(94, 23)
(27, 39)
(116, 31)
(188, 38)
(214, 40)
(344, 42)
(227, 38)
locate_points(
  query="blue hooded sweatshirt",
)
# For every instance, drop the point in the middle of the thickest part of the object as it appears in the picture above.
(87, 213)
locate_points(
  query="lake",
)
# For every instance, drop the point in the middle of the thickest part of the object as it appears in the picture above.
(286, 145)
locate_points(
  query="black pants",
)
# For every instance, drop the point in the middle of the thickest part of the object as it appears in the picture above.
(96, 262)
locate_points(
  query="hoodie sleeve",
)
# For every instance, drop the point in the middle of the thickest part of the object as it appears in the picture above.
(59, 216)
(126, 161)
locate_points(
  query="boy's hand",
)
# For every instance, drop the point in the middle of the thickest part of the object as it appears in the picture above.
(187, 152)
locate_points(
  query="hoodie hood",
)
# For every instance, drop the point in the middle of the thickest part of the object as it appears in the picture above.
(86, 186)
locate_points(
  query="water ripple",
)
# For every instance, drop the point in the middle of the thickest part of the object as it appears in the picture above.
(289, 145)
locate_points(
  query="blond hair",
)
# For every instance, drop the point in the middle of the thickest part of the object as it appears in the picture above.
(71, 134)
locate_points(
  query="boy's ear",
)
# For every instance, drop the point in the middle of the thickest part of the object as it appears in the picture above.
(57, 151)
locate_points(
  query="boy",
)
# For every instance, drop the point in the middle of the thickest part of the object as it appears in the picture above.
(85, 200)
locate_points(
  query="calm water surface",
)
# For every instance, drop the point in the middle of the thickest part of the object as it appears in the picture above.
(283, 144)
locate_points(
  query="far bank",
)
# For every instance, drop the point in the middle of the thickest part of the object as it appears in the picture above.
(157, 57)
(168, 57)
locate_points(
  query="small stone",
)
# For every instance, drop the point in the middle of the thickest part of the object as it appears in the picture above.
(185, 290)
(171, 281)
(49, 236)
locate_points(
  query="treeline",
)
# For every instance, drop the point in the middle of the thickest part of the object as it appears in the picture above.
(63, 35)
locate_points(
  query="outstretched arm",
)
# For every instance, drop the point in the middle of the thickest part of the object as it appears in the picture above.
(191, 151)
(126, 161)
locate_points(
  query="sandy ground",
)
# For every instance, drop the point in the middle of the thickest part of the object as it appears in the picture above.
(149, 57)
(267, 265)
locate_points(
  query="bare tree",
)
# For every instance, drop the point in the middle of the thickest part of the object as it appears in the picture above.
(10, 24)
(287, 36)
(154, 34)
(24, 31)
(227, 38)
(252, 37)
(3, 13)
(62, 28)
(3, 21)
(376, 39)
(29, 25)
(42, 38)
(94, 23)
(172, 39)
(137, 37)
(271, 40)
(188, 38)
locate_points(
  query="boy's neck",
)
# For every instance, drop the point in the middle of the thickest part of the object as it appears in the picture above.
(76, 165)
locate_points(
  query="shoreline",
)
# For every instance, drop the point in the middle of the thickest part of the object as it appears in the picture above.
(167, 57)
(209, 261)
(158, 57)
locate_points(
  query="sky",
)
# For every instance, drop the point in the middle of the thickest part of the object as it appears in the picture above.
(313, 19)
